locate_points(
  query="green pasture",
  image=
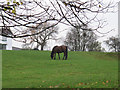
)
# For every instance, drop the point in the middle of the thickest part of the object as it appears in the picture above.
(35, 69)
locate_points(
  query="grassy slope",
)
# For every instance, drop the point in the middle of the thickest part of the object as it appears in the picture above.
(34, 69)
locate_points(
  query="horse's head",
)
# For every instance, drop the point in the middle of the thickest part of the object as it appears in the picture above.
(51, 55)
(53, 51)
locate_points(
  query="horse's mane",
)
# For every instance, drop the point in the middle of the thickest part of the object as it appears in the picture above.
(54, 48)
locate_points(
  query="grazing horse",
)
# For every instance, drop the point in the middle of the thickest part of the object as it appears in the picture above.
(59, 49)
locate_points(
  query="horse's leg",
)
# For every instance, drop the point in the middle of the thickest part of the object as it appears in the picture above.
(59, 56)
(53, 56)
(64, 56)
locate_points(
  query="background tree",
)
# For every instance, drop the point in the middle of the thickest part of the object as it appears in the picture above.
(26, 46)
(113, 44)
(40, 40)
(96, 46)
(79, 40)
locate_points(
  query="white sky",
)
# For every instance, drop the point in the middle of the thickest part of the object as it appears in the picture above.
(111, 18)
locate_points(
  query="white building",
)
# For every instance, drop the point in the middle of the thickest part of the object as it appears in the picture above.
(5, 43)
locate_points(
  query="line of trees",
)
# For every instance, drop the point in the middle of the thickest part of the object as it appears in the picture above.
(76, 40)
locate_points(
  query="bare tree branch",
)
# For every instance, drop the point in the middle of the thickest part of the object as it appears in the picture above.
(29, 14)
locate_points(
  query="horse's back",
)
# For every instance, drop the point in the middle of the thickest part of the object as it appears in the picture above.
(64, 47)
(59, 49)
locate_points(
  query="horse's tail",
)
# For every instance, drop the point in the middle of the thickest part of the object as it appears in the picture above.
(66, 52)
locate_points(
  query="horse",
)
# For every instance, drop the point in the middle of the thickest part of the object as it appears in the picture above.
(59, 49)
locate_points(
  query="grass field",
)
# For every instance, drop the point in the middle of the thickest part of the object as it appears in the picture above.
(35, 69)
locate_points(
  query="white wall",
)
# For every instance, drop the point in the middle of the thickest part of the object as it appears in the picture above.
(9, 44)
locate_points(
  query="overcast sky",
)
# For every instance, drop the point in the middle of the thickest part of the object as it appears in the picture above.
(112, 23)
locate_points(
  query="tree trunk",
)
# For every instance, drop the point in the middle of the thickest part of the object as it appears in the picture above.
(42, 46)
(37, 46)
(84, 47)
(75, 45)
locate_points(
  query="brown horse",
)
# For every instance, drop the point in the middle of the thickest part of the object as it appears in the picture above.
(59, 49)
